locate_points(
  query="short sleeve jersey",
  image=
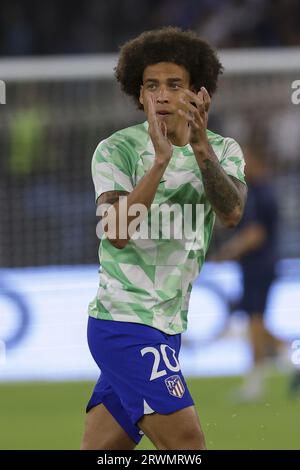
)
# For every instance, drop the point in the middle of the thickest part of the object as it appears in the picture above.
(150, 280)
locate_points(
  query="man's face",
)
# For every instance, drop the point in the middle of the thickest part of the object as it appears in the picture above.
(164, 81)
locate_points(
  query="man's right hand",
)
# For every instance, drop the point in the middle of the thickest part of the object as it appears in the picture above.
(158, 134)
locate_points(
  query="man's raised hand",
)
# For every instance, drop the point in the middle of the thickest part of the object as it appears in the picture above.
(158, 133)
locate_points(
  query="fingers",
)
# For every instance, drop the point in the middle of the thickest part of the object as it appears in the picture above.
(151, 110)
(157, 129)
(152, 118)
(163, 128)
(189, 107)
(193, 115)
(195, 107)
(189, 117)
(206, 98)
(201, 99)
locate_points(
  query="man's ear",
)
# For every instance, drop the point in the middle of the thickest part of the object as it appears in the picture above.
(141, 100)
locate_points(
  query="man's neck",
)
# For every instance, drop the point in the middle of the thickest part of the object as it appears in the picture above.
(180, 139)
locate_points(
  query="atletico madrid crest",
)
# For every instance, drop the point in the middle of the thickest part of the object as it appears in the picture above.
(175, 386)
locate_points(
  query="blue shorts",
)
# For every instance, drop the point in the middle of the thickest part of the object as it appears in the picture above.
(140, 372)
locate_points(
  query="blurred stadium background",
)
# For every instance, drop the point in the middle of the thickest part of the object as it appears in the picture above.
(61, 100)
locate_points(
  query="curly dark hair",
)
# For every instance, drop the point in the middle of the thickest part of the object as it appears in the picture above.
(168, 44)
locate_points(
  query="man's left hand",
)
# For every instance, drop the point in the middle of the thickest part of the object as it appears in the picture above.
(195, 110)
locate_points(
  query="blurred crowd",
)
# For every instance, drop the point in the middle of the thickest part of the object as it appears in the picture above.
(96, 26)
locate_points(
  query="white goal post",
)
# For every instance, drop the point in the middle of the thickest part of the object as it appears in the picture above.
(91, 66)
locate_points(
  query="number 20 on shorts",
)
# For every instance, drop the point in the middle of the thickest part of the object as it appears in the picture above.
(158, 354)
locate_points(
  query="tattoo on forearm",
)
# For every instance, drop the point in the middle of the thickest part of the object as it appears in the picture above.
(220, 189)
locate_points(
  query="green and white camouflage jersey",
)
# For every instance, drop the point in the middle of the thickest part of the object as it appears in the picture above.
(150, 280)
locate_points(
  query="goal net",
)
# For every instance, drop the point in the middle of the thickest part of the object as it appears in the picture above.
(58, 109)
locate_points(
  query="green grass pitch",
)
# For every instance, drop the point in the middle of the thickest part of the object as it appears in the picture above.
(51, 415)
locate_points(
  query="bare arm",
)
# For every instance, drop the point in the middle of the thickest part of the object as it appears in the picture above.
(143, 193)
(145, 190)
(226, 194)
